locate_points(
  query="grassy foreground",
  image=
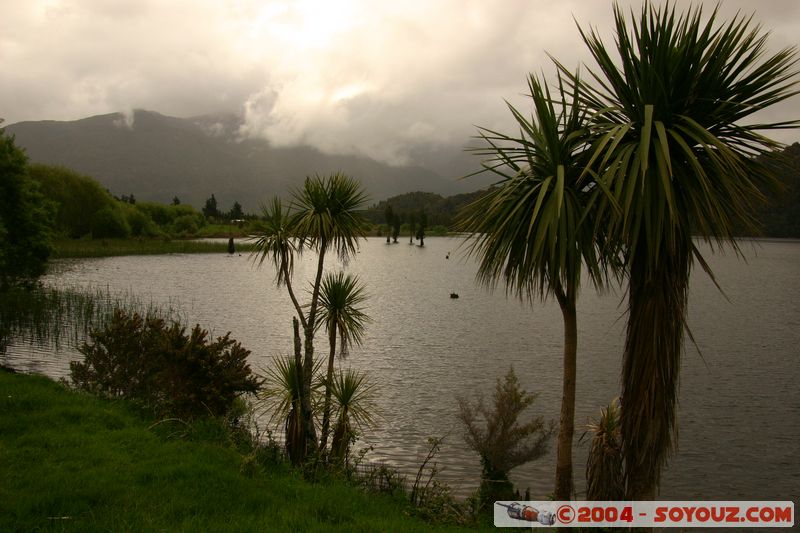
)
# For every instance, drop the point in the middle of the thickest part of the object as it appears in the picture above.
(70, 461)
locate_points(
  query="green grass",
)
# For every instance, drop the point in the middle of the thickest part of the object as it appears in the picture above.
(112, 247)
(226, 230)
(69, 461)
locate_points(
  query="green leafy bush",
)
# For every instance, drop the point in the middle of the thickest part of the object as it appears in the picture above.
(77, 198)
(502, 440)
(25, 218)
(163, 368)
(110, 223)
(141, 225)
(185, 225)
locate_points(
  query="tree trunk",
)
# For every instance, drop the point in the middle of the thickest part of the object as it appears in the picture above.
(297, 453)
(658, 295)
(564, 481)
(326, 411)
(308, 363)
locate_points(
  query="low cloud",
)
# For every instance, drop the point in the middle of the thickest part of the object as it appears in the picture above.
(375, 78)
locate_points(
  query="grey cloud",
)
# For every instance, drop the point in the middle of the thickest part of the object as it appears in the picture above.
(389, 80)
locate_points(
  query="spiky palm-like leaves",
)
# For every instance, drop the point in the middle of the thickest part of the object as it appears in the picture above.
(340, 311)
(534, 229)
(276, 243)
(353, 408)
(674, 153)
(326, 214)
(282, 393)
(604, 472)
(323, 216)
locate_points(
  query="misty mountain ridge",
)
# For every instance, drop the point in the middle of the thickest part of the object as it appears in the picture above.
(157, 157)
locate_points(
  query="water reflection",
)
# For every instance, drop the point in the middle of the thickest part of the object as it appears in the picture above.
(425, 349)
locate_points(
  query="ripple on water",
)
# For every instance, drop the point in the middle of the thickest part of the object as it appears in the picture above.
(739, 411)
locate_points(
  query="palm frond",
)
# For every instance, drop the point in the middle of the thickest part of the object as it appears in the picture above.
(668, 102)
(276, 243)
(354, 397)
(340, 308)
(326, 214)
(533, 229)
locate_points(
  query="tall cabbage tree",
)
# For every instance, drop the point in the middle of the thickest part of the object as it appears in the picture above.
(670, 100)
(534, 229)
(340, 312)
(323, 216)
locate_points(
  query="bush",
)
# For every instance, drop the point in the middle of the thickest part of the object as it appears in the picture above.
(141, 225)
(110, 223)
(25, 218)
(501, 440)
(185, 225)
(159, 366)
(77, 198)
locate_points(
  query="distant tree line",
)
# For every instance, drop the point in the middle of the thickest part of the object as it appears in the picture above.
(83, 208)
(780, 218)
(211, 211)
(439, 210)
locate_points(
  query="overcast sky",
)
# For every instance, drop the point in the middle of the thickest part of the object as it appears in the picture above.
(345, 76)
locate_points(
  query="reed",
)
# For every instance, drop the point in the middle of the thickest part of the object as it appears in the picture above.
(50, 316)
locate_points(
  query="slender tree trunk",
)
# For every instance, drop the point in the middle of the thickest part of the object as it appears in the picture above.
(297, 453)
(326, 410)
(308, 363)
(564, 481)
(658, 295)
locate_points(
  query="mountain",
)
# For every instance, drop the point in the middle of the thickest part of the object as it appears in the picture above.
(156, 157)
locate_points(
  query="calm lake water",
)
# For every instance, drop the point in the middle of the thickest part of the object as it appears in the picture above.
(739, 421)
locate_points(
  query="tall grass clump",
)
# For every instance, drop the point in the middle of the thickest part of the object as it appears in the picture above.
(57, 317)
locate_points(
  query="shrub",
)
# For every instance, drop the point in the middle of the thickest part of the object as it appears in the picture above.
(185, 225)
(109, 222)
(161, 367)
(501, 440)
(141, 225)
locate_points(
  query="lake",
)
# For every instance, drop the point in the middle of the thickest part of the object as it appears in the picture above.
(739, 413)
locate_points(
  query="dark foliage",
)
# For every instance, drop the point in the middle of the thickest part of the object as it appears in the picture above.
(439, 210)
(25, 218)
(78, 199)
(500, 438)
(210, 208)
(163, 368)
(781, 216)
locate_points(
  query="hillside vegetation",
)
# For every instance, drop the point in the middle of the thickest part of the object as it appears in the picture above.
(155, 157)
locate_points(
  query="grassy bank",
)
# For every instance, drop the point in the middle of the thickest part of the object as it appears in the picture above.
(71, 461)
(111, 247)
